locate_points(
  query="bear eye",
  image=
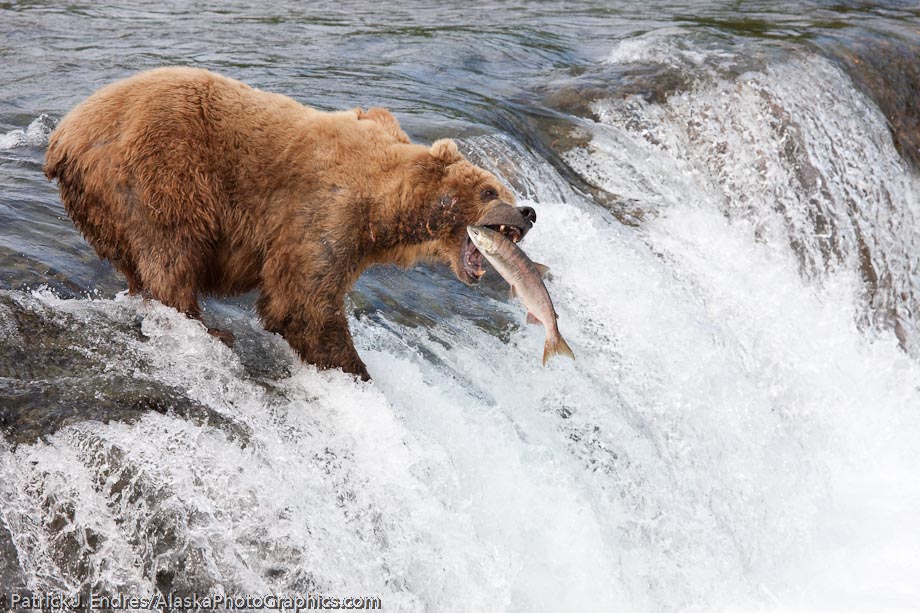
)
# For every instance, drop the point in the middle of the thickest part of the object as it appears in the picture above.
(488, 194)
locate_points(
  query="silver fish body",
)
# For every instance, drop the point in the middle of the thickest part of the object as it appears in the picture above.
(526, 280)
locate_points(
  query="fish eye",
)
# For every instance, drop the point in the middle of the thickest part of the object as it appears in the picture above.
(488, 194)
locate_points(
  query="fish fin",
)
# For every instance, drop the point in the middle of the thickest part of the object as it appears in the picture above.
(542, 269)
(511, 292)
(532, 319)
(554, 346)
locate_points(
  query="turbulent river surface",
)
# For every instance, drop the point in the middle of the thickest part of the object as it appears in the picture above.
(728, 201)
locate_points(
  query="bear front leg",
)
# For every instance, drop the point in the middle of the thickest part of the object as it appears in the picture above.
(327, 343)
(303, 300)
(321, 339)
(333, 347)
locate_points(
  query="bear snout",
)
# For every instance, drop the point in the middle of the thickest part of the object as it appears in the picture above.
(503, 214)
(529, 215)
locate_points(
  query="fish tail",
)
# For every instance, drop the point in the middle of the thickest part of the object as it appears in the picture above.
(556, 345)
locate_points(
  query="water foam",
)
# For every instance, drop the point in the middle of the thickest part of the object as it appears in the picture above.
(764, 207)
(34, 135)
(797, 150)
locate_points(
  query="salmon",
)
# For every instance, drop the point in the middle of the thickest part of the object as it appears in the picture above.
(526, 280)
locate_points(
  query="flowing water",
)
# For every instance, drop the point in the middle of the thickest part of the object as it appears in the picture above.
(728, 201)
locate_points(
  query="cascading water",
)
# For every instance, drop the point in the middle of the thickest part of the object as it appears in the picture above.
(795, 150)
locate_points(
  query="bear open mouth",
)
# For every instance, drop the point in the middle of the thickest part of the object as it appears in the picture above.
(471, 258)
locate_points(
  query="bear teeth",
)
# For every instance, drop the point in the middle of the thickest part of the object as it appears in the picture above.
(510, 232)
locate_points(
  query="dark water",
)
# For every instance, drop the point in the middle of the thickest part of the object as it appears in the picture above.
(728, 197)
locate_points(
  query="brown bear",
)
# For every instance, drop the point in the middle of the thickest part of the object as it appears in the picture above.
(192, 183)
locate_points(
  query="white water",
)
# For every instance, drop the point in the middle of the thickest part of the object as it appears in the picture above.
(794, 149)
(34, 135)
(729, 438)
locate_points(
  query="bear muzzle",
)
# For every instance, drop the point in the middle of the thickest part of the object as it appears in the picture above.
(513, 222)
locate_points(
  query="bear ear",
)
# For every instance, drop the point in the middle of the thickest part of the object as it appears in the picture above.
(445, 150)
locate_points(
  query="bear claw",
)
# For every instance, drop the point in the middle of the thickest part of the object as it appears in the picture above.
(225, 337)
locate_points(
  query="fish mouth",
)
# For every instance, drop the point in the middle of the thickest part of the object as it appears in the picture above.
(471, 257)
(513, 222)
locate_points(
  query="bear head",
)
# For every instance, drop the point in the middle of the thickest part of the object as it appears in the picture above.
(465, 195)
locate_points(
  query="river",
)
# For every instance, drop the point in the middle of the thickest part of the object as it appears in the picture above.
(728, 201)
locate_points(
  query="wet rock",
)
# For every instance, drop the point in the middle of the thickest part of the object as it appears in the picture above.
(11, 578)
(56, 370)
(887, 69)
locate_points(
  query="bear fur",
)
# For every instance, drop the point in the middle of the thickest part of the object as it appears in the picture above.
(192, 183)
